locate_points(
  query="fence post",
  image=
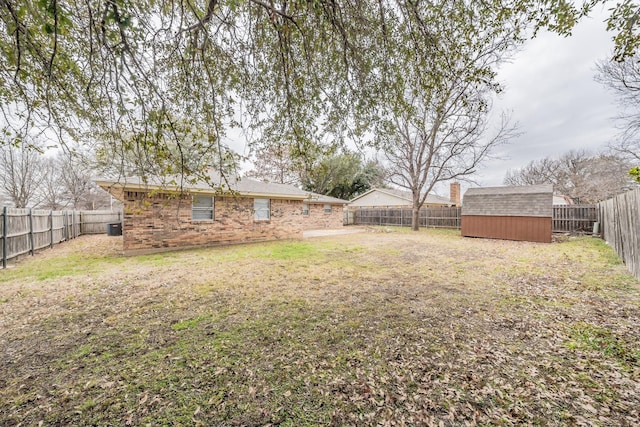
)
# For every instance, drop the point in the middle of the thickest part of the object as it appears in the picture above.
(31, 230)
(51, 227)
(4, 238)
(65, 226)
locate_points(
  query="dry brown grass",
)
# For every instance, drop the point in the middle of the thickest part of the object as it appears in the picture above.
(378, 328)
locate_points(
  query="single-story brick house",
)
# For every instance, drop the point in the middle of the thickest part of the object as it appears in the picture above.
(160, 216)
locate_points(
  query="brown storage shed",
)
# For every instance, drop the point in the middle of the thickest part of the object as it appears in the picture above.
(510, 213)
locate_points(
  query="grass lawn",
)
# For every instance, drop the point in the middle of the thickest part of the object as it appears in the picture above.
(386, 327)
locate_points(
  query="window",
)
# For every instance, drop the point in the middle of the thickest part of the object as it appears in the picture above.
(305, 209)
(202, 208)
(261, 209)
(327, 208)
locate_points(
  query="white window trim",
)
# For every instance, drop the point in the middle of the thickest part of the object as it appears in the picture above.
(329, 210)
(261, 209)
(211, 208)
(306, 209)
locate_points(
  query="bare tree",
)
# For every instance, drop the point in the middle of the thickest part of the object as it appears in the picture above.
(75, 170)
(592, 178)
(543, 171)
(623, 78)
(434, 116)
(49, 193)
(20, 172)
(424, 153)
(75, 178)
(274, 163)
(585, 177)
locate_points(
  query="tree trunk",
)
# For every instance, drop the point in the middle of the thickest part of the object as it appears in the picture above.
(415, 218)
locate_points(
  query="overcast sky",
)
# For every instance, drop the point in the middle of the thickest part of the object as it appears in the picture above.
(551, 92)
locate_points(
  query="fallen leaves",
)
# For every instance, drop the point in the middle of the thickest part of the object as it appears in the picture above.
(374, 329)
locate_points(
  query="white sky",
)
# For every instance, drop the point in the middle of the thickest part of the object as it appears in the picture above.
(551, 92)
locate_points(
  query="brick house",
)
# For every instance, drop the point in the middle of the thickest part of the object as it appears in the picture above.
(161, 216)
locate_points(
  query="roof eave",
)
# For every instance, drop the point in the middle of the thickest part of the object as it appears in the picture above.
(110, 186)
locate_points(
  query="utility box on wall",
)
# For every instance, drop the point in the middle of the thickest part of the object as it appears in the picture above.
(510, 213)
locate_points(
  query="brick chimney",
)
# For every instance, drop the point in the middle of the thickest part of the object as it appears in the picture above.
(454, 193)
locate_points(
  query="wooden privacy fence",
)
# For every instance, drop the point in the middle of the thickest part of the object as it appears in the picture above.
(442, 217)
(95, 222)
(620, 218)
(25, 231)
(566, 219)
(574, 218)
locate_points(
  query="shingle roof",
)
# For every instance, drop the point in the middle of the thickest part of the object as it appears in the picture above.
(216, 184)
(406, 195)
(527, 189)
(321, 198)
(525, 201)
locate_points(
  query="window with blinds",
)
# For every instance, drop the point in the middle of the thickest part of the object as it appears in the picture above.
(202, 208)
(261, 209)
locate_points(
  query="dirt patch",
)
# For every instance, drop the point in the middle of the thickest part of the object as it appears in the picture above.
(334, 232)
(370, 328)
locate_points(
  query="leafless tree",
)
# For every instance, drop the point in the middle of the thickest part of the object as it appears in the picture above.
(585, 177)
(20, 172)
(590, 179)
(434, 115)
(76, 181)
(274, 163)
(75, 178)
(443, 144)
(623, 78)
(49, 193)
(543, 171)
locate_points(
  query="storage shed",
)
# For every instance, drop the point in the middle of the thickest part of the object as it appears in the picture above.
(510, 213)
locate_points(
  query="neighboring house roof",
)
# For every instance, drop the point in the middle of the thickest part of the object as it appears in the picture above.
(243, 186)
(530, 201)
(321, 198)
(562, 200)
(393, 197)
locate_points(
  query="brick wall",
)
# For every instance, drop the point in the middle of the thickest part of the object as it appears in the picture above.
(318, 219)
(454, 193)
(162, 222)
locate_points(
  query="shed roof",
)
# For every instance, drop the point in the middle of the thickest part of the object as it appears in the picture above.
(217, 185)
(526, 189)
